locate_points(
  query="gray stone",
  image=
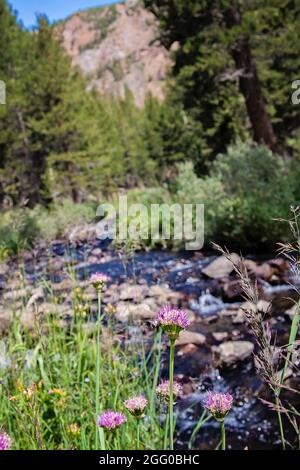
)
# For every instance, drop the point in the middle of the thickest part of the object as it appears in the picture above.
(190, 337)
(231, 352)
(220, 267)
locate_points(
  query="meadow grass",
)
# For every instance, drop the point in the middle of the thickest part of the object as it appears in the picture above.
(59, 375)
(48, 388)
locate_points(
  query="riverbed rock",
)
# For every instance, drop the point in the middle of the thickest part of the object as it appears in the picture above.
(263, 271)
(6, 317)
(187, 349)
(37, 296)
(14, 295)
(190, 337)
(57, 265)
(220, 335)
(221, 267)
(82, 233)
(229, 312)
(232, 289)
(231, 352)
(143, 311)
(164, 294)
(281, 267)
(291, 312)
(136, 293)
(30, 316)
(262, 305)
(4, 268)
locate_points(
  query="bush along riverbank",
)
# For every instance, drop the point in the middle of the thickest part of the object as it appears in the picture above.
(87, 360)
(240, 205)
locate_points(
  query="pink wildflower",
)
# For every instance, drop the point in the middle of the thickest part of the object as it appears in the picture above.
(111, 420)
(163, 390)
(219, 404)
(172, 320)
(136, 405)
(98, 280)
(5, 441)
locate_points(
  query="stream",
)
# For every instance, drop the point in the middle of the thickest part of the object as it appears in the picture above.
(250, 424)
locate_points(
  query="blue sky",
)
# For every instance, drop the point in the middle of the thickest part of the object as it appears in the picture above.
(54, 9)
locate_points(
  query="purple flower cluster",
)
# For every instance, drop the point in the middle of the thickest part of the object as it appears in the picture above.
(5, 441)
(98, 280)
(111, 420)
(219, 404)
(136, 405)
(172, 320)
(163, 390)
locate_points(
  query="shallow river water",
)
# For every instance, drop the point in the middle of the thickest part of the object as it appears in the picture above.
(250, 424)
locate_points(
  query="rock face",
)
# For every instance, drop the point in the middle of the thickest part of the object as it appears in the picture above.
(115, 47)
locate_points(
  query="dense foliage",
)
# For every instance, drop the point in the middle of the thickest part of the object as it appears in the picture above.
(57, 140)
(60, 143)
(235, 62)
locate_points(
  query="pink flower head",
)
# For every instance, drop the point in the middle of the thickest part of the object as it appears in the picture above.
(98, 280)
(219, 404)
(111, 420)
(136, 405)
(172, 320)
(163, 390)
(5, 441)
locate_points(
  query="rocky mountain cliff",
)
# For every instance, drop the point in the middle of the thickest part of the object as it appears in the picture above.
(116, 48)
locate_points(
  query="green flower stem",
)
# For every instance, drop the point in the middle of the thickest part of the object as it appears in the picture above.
(171, 401)
(223, 435)
(117, 441)
(99, 432)
(138, 435)
(102, 438)
(280, 422)
(166, 431)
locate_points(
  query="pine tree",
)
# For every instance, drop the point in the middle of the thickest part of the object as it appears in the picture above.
(230, 66)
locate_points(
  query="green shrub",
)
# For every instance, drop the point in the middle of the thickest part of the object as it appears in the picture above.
(247, 189)
(146, 197)
(53, 222)
(18, 229)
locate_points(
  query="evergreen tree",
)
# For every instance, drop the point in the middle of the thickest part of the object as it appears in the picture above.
(172, 136)
(230, 63)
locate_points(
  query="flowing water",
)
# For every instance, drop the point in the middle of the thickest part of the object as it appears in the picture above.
(250, 424)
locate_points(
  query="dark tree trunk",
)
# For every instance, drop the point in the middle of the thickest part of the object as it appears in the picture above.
(249, 84)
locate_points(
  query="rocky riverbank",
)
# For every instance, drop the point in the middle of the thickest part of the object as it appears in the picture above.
(217, 348)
